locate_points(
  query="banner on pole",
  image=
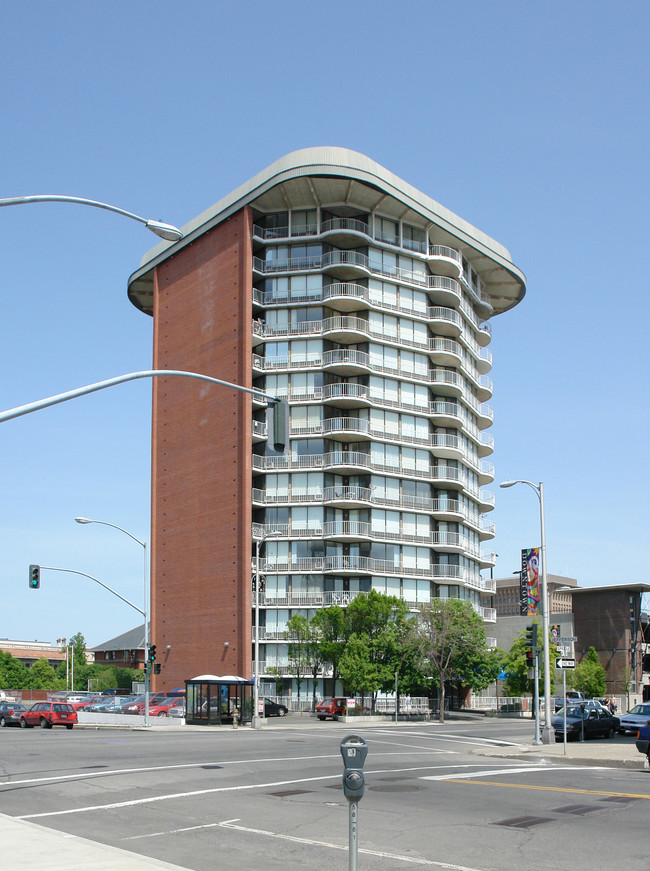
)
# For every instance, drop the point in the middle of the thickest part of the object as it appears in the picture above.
(530, 582)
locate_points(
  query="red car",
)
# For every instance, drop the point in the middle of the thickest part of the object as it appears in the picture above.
(161, 709)
(331, 708)
(48, 714)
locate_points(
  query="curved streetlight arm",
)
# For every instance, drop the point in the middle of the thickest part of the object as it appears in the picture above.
(535, 487)
(114, 526)
(121, 379)
(105, 586)
(165, 231)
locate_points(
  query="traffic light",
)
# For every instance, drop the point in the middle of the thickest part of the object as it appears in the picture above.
(152, 653)
(280, 422)
(531, 637)
(530, 659)
(34, 577)
(156, 668)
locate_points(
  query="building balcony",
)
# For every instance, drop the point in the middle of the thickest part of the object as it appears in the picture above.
(259, 431)
(445, 321)
(485, 472)
(345, 231)
(345, 395)
(445, 260)
(353, 462)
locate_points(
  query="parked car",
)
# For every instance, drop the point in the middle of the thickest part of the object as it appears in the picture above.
(103, 705)
(636, 717)
(48, 714)
(273, 709)
(132, 706)
(643, 740)
(587, 718)
(331, 708)
(10, 713)
(177, 710)
(83, 705)
(161, 709)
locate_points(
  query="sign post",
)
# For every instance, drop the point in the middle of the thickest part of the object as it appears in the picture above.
(565, 662)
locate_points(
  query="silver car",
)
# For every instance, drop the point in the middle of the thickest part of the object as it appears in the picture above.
(638, 716)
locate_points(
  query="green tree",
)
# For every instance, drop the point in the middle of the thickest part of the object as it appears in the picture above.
(360, 672)
(299, 636)
(374, 627)
(13, 672)
(329, 628)
(517, 682)
(450, 638)
(41, 676)
(590, 676)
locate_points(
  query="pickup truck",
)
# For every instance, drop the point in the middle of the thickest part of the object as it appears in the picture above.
(5, 697)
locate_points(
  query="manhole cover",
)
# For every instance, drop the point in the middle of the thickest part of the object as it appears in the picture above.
(578, 809)
(287, 792)
(522, 822)
(620, 799)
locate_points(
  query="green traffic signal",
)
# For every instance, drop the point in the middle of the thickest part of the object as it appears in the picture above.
(34, 577)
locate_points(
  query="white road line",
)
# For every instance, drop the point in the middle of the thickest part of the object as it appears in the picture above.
(240, 788)
(229, 824)
(173, 831)
(211, 763)
(512, 770)
(168, 796)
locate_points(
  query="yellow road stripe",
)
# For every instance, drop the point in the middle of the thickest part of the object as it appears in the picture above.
(551, 788)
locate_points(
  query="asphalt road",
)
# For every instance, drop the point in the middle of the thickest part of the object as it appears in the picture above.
(236, 798)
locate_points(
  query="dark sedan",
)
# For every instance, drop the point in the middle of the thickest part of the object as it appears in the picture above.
(10, 713)
(585, 720)
(273, 709)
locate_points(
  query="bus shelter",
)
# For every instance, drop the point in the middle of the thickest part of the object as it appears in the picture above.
(212, 700)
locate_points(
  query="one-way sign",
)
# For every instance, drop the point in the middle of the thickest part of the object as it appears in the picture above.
(565, 662)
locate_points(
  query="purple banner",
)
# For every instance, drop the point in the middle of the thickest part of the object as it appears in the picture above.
(530, 582)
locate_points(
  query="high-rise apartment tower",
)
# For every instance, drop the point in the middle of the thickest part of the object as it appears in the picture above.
(327, 281)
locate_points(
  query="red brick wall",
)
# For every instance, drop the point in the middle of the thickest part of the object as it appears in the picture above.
(201, 458)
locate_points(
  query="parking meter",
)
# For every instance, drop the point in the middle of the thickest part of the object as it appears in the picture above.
(354, 751)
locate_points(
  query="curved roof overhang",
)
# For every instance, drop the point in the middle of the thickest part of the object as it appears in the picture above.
(327, 175)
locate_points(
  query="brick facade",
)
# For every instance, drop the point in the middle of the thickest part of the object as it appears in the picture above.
(201, 458)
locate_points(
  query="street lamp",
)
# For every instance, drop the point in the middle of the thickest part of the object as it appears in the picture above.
(143, 545)
(256, 721)
(539, 490)
(165, 231)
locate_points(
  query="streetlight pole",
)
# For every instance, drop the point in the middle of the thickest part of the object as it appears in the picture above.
(256, 721)
(539, 490)
(165, 231)
(145, 612)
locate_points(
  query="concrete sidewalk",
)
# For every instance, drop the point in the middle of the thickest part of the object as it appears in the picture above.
(49, 850)
(615, 753)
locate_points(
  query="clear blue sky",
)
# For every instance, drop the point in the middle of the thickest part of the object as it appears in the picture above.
(530, 120)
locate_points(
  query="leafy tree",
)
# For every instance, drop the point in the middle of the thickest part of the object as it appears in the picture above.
(299, 636)
(276, 674)
(589, 675)
(41, 676)
(13, 672)
(360, 673)
(329, 627)
(374, 627)
(514, 664)
(450, 638)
